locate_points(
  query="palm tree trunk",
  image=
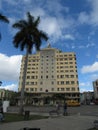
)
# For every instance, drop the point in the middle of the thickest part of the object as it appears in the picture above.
(21, 109)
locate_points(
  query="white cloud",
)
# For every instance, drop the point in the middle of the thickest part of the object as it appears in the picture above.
(86, 90)
(94, 77)
(85, 86)
(94, 13)
(90, 68)
(12, 87)
(27, 1)
(83, 18)
(69, 37)
(38, 12)
(97, 56)
(56, 7)
(92, 16)
(88, 54)
(81, 47)
(9, 67)
(90, 45)
(12, 2)
(51, 26)
(53, 22)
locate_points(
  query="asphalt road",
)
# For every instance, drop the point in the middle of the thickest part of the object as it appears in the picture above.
(81, 118)
(89, 110)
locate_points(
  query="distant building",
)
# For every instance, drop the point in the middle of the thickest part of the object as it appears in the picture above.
(50, 72)
(9, 96)
(95, 87)
(86, 97)
(5, 94)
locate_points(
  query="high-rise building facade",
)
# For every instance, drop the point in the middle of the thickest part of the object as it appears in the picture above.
(51, 71)
(95, 86)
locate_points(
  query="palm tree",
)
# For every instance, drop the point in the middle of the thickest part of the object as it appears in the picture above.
(0, 83)
(4, 19)
(28, 36)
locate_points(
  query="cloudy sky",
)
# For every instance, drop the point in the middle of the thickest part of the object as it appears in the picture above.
(71, 25)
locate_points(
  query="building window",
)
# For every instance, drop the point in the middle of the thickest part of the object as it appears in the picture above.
(41, 89)
(72, 76)
(41, 83)
(35, 83)
(46, 76)
(67, 89)
(27, 83)
(57, 76)
(67, 76)
(62, 82)
(97, 89)
(57, 82)
(70, 62)
(58, 89)
(62, 76)
(46, 90)
(73, 89)
(41, 77)
(96, 83)
(31, 89)
(32, 77)
(27, 89)
(52, 76)
(52, 89)
(32, 83)
(35, 89)
(78, 88)
(62, 89)
(28, 77)
(72, 82)
(67, 82)
(52, 82)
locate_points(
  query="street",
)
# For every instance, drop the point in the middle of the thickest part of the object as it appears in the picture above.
(89, 110)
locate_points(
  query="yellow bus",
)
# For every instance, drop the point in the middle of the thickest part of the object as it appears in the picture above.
(72, 103)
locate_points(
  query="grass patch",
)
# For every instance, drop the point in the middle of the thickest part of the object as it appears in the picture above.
(12, 117)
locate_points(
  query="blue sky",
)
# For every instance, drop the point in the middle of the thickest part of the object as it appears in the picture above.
(71, 25)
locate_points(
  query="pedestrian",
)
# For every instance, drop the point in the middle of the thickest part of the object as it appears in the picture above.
(1, 114)
(58, 108)
(65, 109)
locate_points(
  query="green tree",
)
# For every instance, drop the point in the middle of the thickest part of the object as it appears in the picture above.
(4, 19)
(28, 36)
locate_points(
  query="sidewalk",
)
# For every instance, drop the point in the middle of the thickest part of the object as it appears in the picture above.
(76, 122)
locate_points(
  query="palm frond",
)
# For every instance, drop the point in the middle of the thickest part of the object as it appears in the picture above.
(30, 18)
(3, 18)
(28, 34)
(43, 35)
(36, 22)
(20, 25)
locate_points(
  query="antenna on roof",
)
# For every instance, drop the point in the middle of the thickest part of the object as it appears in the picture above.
(49, 46)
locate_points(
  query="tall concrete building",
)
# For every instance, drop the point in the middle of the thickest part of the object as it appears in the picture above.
(95, 86)
(51, 71)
